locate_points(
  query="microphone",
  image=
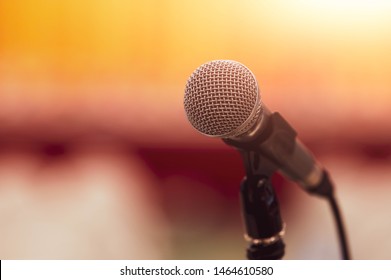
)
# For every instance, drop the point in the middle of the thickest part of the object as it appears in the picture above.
(222, 100)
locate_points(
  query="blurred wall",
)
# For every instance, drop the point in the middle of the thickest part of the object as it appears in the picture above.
(111, 74)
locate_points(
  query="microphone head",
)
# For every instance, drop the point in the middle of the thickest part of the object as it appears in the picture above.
(222, 99)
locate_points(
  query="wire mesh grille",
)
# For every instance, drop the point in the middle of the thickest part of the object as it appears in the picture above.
(222, 99)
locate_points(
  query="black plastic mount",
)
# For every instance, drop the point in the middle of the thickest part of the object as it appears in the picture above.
(262, 219)
(261, 211)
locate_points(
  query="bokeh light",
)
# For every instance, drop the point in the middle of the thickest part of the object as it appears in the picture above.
(86, 82)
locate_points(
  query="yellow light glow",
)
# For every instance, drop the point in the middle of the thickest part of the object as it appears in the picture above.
(145, 49)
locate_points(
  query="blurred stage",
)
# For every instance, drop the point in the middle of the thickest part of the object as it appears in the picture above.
(98, 161)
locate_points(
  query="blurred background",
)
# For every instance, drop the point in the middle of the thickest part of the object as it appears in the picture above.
(98, 161)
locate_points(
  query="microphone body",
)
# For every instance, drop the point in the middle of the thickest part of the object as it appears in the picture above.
(222, 100)
(275, 140)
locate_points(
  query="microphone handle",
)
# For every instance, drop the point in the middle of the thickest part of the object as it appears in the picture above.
(278, 148)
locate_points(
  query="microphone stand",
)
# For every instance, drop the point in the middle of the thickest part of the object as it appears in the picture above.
(262, 219)
(260, 210)
(260, 207)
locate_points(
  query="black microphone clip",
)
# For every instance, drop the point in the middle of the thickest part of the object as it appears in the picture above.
(262, 219)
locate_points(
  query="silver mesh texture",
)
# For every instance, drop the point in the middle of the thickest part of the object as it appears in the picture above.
(222, 99)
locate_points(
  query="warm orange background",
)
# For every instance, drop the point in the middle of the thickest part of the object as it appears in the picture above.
(326, 59)
(87, 71)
